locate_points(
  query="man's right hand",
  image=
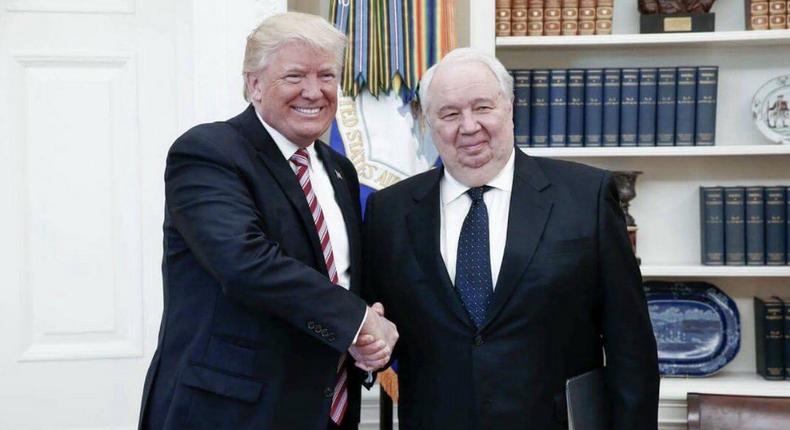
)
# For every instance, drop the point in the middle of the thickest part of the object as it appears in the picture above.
(376, 340)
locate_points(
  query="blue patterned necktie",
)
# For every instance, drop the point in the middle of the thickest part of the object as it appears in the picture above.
(473, 264)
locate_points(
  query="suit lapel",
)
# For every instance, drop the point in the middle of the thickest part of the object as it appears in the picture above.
(529, 211)
(347, 207)
(281, 171)
(424, 222)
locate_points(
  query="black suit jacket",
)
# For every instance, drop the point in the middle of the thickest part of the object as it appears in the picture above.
(568, 289)
(252, 328)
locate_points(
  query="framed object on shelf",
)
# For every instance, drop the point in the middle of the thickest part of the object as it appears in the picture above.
(771, 109)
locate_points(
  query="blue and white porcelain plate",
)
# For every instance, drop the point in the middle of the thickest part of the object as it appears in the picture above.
(697, 327)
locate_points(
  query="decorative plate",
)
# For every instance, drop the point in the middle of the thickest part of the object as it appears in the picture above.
(697, 327)
(771, 109)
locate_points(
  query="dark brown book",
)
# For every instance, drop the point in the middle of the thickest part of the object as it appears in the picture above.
(603, 26)
(587, 14)
(502, 19)
(570, 28)
(518, 18)
(552, 14)
(756, 14)
(535, 28)
(777, 22)
(552, 28)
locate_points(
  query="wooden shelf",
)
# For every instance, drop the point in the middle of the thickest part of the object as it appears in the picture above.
(661, 151)
(684, 271)
(715, 38)
(749, 384)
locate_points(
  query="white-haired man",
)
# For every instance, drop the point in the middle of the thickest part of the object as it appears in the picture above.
(506, 274)
(262, 248)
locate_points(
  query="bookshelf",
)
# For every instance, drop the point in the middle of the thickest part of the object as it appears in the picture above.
(666, 208)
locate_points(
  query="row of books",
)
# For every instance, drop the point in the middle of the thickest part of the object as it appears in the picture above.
(772, 337)
(553, 17)
(667, 106)
(745, 225)
(767, 14)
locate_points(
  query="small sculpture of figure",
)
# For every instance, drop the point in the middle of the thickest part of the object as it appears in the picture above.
(671, 7)
(779, 112)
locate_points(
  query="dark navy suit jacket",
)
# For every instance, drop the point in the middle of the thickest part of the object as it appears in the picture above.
(252, 328)
(568, 289)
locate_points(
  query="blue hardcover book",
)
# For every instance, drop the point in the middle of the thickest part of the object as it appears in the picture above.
(646, 135)
(787, 226)
(593, 106)
(558, 104)
(755, 226)
(775, 226)
(610, 131)
(665, 106)
(712, 225)
(575, 121)
(629, 106)
(686, 110)
(707, 88)
(539, 108)
(521, 86)
(786, 306)
(734, 227)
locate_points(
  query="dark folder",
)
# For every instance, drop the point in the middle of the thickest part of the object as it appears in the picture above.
(588, 407)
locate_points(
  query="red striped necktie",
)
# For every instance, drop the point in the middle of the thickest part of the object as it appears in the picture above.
(301, 160)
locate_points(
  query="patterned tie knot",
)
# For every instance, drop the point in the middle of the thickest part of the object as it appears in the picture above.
(476, 193)
(301, 157)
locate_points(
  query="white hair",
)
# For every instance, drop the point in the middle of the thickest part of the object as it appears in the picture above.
(461, 56)
(279, 30)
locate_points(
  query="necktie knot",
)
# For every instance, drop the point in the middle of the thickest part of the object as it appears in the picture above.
(301, 157)
(476, 193)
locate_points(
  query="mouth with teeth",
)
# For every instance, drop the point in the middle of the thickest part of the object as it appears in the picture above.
(307, 111)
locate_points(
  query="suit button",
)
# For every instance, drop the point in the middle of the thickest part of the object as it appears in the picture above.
(310, 324)
(324, 332)
(328, 392)
(478, 340)
(331, 338)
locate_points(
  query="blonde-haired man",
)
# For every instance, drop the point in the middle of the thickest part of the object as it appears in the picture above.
(262, 325)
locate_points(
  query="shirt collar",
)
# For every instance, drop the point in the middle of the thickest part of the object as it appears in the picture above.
(452, 189)
(287, 148)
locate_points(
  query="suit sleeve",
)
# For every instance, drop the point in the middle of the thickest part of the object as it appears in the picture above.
(212, 208)
(631, 361)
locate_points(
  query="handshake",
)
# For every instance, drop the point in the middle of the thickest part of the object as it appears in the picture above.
(376, 340)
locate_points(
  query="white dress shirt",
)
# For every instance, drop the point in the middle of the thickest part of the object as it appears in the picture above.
(322, 187)
(455, 204)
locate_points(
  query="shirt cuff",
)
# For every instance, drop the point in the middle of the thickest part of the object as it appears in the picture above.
(367, 309)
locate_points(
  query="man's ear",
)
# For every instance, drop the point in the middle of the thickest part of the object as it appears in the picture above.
(253, 83)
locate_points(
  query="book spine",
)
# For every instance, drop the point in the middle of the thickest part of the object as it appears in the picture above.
(769, 338)
(587, 16)
(629, 106)
(611, 107)
(755, 226)
(707, 88)
(775, 226)
(787, 226)
(558, 104)
(552, 17)
(712, 228)
(539, 108)
(777, 14)
(502, 20)
(685, 112)
(603, 16)
(757, 15)
(521, 117)
(734, 229)
(786, 306)
(665, 106)
(646, 135)
(575, 107)
(518, 18)
(535, 18)
(570, 17)
(593, 107)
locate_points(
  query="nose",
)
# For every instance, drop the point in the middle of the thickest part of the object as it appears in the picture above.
(469, 124)
(311, 88)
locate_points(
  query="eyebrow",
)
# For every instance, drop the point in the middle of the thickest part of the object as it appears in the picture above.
(474, 102)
